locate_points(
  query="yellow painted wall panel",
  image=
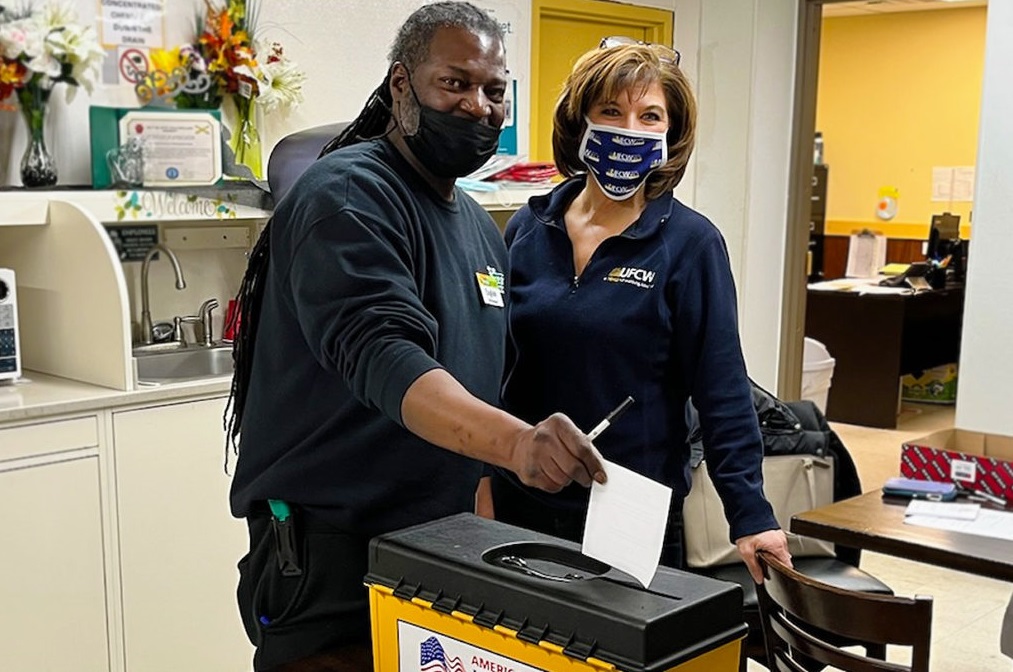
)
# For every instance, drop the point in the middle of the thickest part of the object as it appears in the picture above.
(898, 94)
(563, 30)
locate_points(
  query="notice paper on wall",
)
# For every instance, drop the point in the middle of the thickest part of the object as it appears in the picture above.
(952, 183)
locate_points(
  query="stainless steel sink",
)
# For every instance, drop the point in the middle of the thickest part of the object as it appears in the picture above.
(183, 364)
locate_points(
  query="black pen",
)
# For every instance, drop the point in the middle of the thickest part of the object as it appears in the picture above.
(610, 418)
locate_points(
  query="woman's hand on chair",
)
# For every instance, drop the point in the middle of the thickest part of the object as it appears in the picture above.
(771, 541)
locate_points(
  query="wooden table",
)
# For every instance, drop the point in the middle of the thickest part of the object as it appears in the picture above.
(873, 522)
(877, 338)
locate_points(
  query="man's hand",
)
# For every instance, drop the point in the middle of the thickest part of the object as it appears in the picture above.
(772, 541)
(554, 453)
(550, 455)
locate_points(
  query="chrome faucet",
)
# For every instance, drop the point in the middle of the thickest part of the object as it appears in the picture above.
(205, 319)
(146, 336)
(201, 325)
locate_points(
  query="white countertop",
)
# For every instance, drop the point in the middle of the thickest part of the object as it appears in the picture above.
(38, 396)
(509, 197)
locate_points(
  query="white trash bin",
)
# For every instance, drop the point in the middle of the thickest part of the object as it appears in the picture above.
(817, 372)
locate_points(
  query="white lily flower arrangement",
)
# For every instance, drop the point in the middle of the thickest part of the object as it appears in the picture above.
(39, 49)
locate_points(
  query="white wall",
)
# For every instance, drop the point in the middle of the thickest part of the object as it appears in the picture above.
(985, 400)
(740, 56)
(744, 73)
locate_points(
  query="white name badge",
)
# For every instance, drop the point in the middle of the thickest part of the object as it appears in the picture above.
(491, 288)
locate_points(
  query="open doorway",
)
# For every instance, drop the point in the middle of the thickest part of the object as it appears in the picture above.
(894, 88)
(562, 31)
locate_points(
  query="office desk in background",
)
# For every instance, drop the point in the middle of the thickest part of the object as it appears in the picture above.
(877, 338)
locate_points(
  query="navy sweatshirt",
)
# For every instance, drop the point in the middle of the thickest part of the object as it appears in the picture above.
(652, 315)
(371, 283)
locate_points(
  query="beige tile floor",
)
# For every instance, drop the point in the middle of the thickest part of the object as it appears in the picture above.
(968, 609)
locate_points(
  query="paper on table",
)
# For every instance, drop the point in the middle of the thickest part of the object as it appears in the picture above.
(922, 507)
(843, 284)
(626, 521)
(989, 523)
(858, 285)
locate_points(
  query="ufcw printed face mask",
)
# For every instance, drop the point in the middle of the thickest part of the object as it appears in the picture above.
(620, 159)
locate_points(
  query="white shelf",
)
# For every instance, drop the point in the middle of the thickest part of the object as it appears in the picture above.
(508, 198)
(30, 208)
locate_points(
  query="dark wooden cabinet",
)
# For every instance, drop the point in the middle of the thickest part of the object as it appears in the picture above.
(877, 338)
(817, 222)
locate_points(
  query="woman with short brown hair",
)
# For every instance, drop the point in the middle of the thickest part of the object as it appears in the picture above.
(603, 75)
(616, 289)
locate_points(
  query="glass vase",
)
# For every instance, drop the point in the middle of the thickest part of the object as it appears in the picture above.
(245, 140)
(38, 168)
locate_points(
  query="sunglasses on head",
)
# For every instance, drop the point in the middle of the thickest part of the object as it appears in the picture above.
(666, 54)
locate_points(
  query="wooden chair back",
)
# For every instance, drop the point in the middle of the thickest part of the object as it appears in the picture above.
(794, 609)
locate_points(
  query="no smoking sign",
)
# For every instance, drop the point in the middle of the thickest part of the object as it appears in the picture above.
(133, 65)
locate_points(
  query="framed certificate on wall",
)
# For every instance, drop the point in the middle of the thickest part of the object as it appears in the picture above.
(181, 147)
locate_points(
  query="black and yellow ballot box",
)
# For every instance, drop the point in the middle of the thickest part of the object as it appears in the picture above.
(466, 594)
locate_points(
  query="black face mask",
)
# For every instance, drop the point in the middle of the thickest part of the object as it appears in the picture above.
(451, 146)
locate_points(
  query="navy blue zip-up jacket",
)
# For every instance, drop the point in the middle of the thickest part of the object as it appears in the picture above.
(371, 283)
(653, 316)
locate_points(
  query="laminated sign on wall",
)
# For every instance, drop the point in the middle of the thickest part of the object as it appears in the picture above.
(136, 23)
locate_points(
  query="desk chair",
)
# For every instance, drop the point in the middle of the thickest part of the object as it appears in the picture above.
(828, 571)
(293, 155)
(841, 571)
(798, 613)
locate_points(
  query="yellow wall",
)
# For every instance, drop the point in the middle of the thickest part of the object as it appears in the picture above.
(898, 94)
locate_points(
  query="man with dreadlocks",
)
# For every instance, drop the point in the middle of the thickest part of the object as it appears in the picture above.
(371, 349)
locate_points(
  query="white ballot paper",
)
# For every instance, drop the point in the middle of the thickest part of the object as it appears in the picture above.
(988, 523)
(952, 510)
(626, 521)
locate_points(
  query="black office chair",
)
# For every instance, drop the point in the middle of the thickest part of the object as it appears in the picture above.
(294, 154)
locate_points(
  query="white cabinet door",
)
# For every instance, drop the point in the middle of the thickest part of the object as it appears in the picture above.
(52, 581)
(179, 545)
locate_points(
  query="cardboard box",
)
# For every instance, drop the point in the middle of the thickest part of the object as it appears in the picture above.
(935, 386)
(964, 457)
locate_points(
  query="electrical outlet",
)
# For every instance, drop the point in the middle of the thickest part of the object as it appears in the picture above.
(208, 237)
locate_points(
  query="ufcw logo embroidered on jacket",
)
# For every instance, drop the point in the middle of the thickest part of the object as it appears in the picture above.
(638, 277)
